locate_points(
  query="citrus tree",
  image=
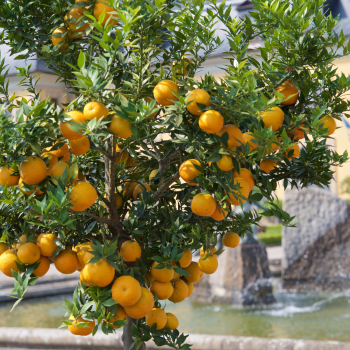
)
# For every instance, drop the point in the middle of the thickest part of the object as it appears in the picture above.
(144, 165)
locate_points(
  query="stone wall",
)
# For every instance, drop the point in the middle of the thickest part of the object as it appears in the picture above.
(317, 252)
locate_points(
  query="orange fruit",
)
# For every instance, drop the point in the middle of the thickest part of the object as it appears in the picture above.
(190, 288)
(152, 174)
(62, 152)
(225, 163)
(139, 188)
(188, 171)
(66, 261)
(52, 160)
(28, 253)
(290, 92)
(123, 157)
(180, 291)
(219, 214)
(32, 170)
(130, 251)
(8, 260)
(58, 169)
(246, 175)
(95, 110)
(230, 239)
(267, 165)
(294, 150)
(164, 290)
(7, 178)
(3, 247)
(194, 271)
(126, 290)
(103, 6)
(210, 250)
(211, 121)
(120, 127)
(58, 39)
(82, 279)
(242, 192)
(176, 275)
(186, 258)
(328, 123)
(184, 69)
(249, 137)
(81, 249)
(80, 146)
(203, 204)
(162, 275)
(99, 274)
(83, 331)
(149, 277)
(46, 244)
(235, 136)
(274, 117)
(142, 307)
(197, 96)
(156, 316)
(129, 188)
(191, 183)
(163, 92)
(208, 264)
(72, 18)
(149, 100)
(272, 147)
(66, 131)
(172, 322)
(299, 133)
(119, 315)
(82, 196)
(28, 192)
(42, 269)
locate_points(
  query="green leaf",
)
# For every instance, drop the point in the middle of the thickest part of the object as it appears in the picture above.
(81, 60)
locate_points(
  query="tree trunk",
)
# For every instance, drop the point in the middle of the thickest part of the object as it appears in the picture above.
(127, 336)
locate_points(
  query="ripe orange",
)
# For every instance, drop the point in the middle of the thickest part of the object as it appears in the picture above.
(80, 146)
(190, 288)
(210, 250)
(219, 214)
(172, 321)
(8, 260)
(235, 136)
(180, 291)
(149, 100)
(83, 331)
(139, 188)
(274, 117)
(126, 290)
(65, 128)
(162, 275)
(120, 127)
(82, 196)
(163, 92)
(298, 133)
(203, 204)
(58, 169)
(249, 137)
(157, 316)
(95, 110)
(272, 147)
(164, 290)
(191, 183)
(211, 121)
(142, 307)
(194, 271)
(28, 192)
(123, 157)
(197, 96)
(52, 160)
(58, 39)
(44, 266)
(82, 279)
(184, 70)
(294, 150)
(62, 152)
(118, 316)
(246, 175)
(28, 253)
(149, 277)
(186, 258)
(46, 243)
(267, 165)
(130, 251)
(188, 171)
(81, 249)
(66, 261)
(32, 170)
(208, 264)
(75, 13)
(328, 123)
(225, 163)
(290, 92)
(7, 178)
(99, 274)
(129, 188)
(230, 239)
(242, 192)
(103, 6)
(3, 247)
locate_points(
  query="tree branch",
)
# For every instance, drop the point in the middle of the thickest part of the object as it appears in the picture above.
(166, 185)
(94, 216)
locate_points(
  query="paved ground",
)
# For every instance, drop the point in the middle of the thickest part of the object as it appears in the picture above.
(275, 253)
